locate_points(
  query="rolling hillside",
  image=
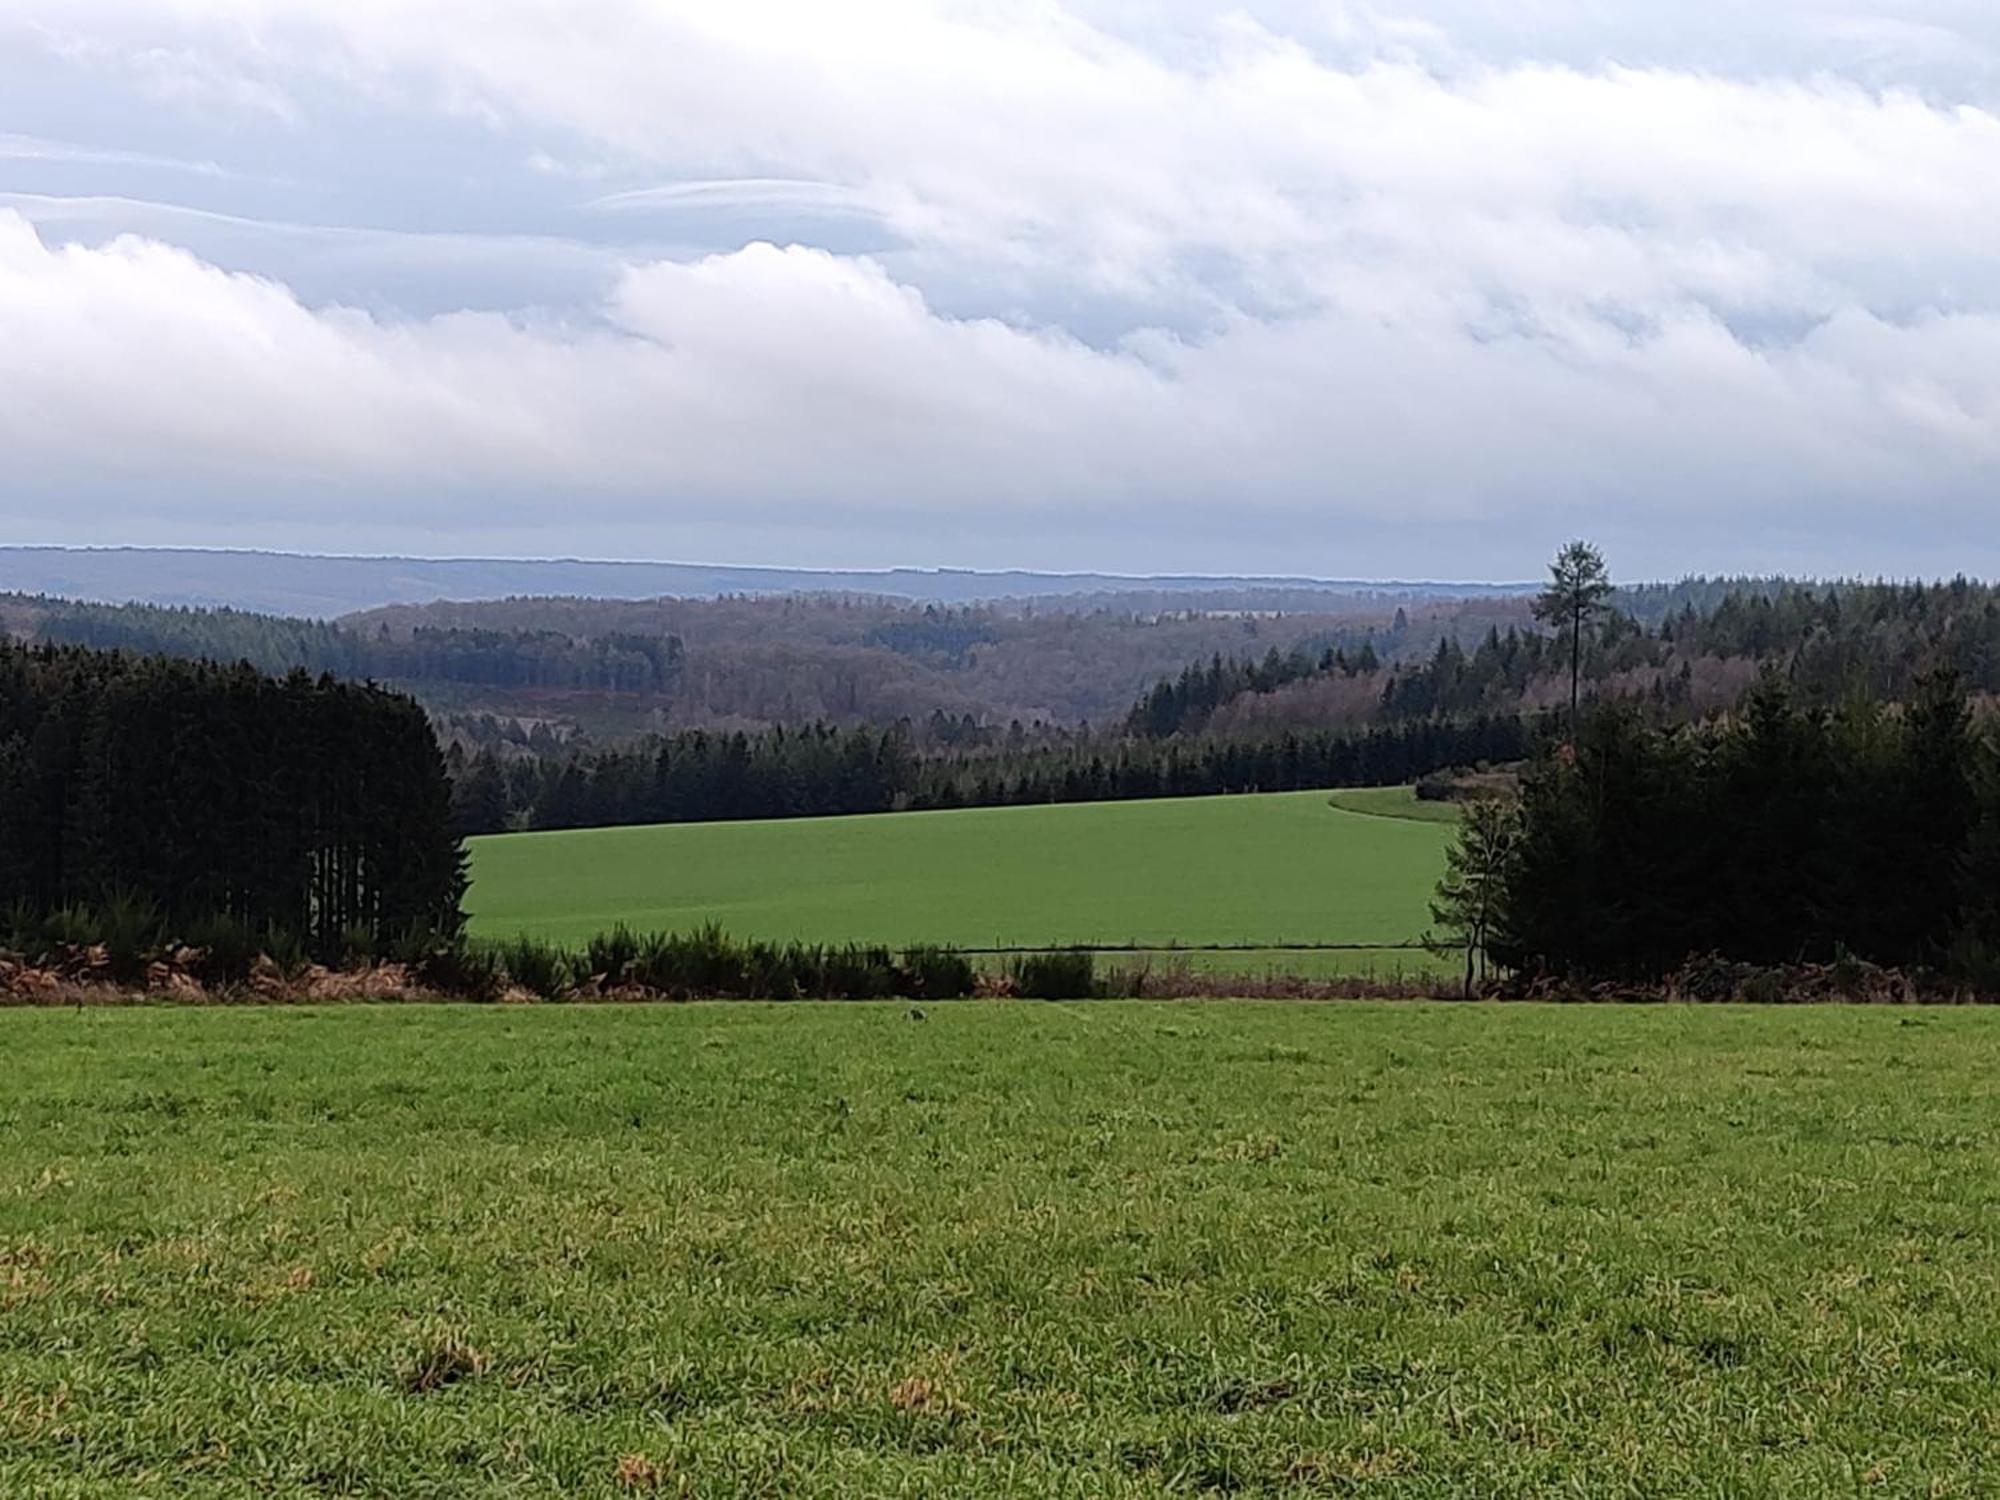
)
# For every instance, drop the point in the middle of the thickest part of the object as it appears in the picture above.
(1259, 871)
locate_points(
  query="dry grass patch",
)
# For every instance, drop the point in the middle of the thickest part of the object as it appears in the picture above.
(446, 1360)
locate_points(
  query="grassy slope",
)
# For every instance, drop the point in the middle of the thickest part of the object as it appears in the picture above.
(1273, 869)
(1394, 802)
(1011, 1249)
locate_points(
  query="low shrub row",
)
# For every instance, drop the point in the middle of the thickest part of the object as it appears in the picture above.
(128, 936)
(709, 964)
(127, 945)
(530, 971)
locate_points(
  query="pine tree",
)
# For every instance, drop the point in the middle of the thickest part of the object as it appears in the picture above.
(479, 797)
(1578, 586)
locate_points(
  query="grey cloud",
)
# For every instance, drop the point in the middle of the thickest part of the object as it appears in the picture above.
(1161, 280)
(801, 196)
(24, 148)
(393, 272)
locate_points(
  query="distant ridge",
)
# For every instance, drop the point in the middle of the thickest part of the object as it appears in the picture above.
(325, 587)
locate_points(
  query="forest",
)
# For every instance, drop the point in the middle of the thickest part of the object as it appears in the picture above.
(548, 674)
(299, 810)
(1683, 650)
(1674, 817)
(560, 713)
(823, 769)
(1234, 724)
(1783, 834)
(609, 669)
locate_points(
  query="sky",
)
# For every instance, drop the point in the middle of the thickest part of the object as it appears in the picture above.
(1289, 286)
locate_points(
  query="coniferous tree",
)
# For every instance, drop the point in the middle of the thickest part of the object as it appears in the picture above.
(1778, 836)
(1578, 585)
(306, 806)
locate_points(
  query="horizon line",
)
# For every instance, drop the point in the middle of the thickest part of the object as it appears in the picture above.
(1301, 581)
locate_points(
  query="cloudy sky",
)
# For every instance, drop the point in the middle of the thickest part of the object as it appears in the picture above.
(1295, 286)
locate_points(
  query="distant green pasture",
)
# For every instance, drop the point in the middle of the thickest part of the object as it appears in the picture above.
(1262, 870)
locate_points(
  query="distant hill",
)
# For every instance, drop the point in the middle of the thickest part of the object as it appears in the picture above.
(612, 667)
(328, 587)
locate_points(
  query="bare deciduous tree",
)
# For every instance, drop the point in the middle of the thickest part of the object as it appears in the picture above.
(1467, 903)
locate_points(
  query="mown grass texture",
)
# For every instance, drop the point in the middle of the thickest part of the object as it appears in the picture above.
(999, 1249)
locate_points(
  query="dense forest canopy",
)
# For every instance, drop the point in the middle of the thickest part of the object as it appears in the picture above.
(570, 712)
(613, 669)
(703, 777)
(1785, 833)
(300, 805)
(1705, 643)
(610, 669)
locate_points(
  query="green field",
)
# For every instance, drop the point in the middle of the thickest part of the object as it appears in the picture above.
(1394, 802)
(1269, 871)
(1009, 1249)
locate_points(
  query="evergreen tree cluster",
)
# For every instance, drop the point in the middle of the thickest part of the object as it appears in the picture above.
(302, 806)
(1786, 833)
(1501, 669)
(1089, 769)
(612, 662)
(1183, 704)
(1828, 641)
(618, 662)
(703, 777)
(612, 668)
(1493, 677)
(1873, 640)
(945, 636)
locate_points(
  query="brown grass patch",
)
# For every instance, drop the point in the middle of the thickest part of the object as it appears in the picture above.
(915, 1394)
(635, 1471)
(921, 1396)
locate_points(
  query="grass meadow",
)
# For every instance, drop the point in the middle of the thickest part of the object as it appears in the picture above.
(1001, 1249)
(1394, 802)
(1263, 871)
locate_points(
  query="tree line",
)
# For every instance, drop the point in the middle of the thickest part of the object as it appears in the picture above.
(1184, 704)
(1784, 833)
(1656, 644)
(610, 662)
(824, 769)
(301, 805)
(615, 669)
(620, 667)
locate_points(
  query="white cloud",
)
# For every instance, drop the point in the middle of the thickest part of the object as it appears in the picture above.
(759, 375)
(770, 380)
(1327, 261)
(743, 192)
(34, 148)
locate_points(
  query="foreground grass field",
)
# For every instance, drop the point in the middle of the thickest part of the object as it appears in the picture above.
(1002, 1250)
(1269, 870)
